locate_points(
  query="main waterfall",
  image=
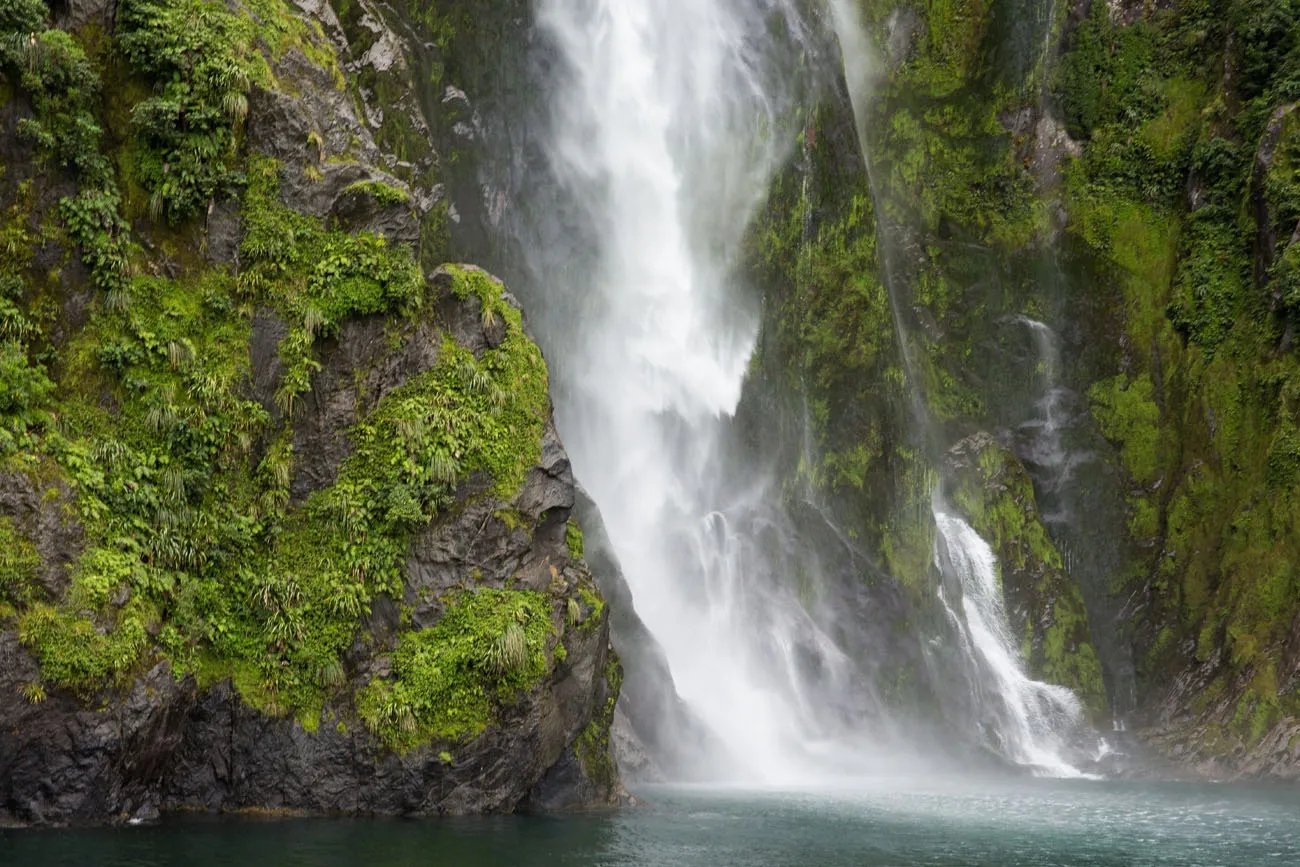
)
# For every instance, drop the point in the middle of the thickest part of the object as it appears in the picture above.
(669, 120)
(666, 138)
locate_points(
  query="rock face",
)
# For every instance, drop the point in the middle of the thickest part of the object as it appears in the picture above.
(118, 698)
(164, 744)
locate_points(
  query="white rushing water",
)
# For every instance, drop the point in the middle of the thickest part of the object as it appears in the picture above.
(666, 135)
(1035, 721)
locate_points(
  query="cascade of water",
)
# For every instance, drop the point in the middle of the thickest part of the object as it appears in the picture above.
(1065, 485)
(664, 136)
(1043, 448)
(1034, 721)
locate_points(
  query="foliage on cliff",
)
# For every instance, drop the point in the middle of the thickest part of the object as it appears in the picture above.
(145, 408)
(1186, 194)
(1126, 173)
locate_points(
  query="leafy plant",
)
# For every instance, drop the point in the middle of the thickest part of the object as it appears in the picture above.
(447, 681)
(202, 59)
(24, 390)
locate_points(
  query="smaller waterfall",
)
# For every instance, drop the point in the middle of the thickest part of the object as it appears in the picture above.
(1042, 447)
(1065, 471)
(1034, 722)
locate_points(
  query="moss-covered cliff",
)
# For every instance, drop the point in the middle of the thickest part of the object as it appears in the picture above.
(1183, 198)
(1085, 215)
(284, 516)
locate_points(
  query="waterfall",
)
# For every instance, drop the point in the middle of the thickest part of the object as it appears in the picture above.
(1043, 450)
(1034, 721)
(665, 139)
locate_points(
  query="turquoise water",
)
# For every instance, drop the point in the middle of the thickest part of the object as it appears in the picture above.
(990, 824)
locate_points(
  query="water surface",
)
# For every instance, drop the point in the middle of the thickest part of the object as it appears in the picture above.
(985, 824)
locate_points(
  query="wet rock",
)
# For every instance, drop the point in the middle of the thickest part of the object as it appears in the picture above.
(264, 354)
(62, 760)
(75, 14)
(1052, 147)
(1266, 232)
(901, 28)
(222, 233)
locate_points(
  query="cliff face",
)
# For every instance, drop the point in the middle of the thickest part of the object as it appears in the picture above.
(284, 519)
(1074, 243)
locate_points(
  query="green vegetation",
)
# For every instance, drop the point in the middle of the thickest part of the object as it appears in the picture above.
(19, 567)
(203, 60)
(194, 552)
(573, 539)
(203, 539)
(488, 647)
(595, 605)
(592, 747)
(316, 278)
(385, 195)
(1170, 198)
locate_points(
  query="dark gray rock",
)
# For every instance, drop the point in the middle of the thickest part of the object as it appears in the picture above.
(62, 761)
(75, 14)
(1266, 235)
(264, 357)
(326, 151)
(222, 232)
(41, 513)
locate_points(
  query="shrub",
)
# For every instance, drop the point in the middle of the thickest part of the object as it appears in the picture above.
(447, 681)
(202, 60)
(24, 390)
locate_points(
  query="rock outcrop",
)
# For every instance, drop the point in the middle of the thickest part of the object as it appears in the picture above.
(312, 552)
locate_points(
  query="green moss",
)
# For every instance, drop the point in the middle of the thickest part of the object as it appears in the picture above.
(77, 655)
(1169, 196)
(24, 392)
(595, 607)
(1129, 417)
(1100, 77)
(573, 539)
(447, 682)
(385, 195)
(19, 565)
(592, 747)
